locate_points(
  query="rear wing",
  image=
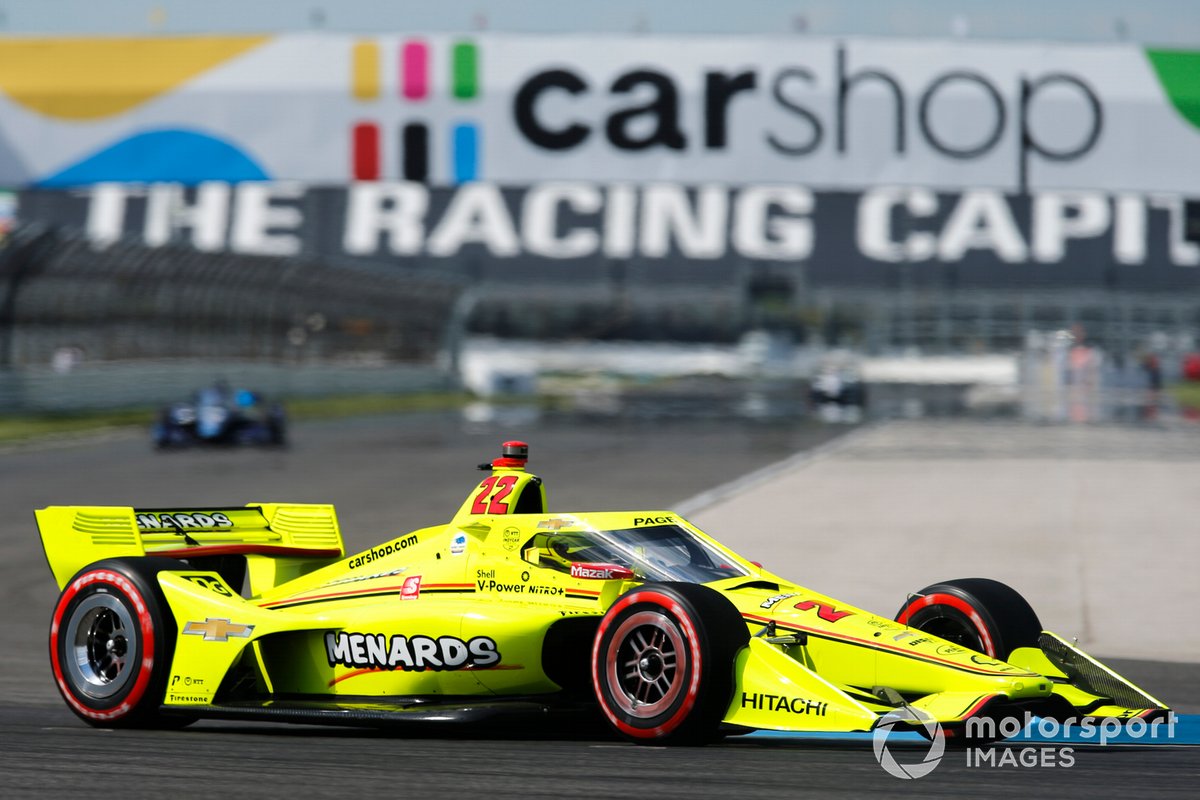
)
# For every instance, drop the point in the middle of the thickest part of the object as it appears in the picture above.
(75, 536)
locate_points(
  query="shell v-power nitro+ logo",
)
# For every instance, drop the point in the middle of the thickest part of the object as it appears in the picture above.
(410, 71)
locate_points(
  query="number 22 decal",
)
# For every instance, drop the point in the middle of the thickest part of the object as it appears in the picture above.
(503, 487)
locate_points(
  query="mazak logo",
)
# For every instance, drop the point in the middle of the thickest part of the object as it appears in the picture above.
(932, 756)
(413, 62)
(601, 572)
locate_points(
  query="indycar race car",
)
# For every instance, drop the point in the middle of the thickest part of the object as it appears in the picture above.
(256, 612)
(220, 415)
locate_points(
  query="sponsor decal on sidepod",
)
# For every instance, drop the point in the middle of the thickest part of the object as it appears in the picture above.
(409, 653)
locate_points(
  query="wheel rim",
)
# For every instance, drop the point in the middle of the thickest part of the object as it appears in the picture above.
(949, 624)
(102, 644)
(647, 664)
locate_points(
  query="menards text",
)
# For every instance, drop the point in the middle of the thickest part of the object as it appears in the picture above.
(409, 653)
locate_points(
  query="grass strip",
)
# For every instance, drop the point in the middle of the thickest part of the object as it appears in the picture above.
(21, 427)
(1186, 394)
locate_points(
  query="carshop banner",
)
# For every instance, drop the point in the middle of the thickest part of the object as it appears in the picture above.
(441, 110)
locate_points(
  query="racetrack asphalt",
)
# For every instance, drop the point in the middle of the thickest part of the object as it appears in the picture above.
(391, 474)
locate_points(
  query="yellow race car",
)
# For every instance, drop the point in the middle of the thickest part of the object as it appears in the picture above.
(510, 612)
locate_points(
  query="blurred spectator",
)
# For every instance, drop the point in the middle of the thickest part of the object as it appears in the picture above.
(1084, 368)
(1152, 368)
(65, 359)
(1191, 367)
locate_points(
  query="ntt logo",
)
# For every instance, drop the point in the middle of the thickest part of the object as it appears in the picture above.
(909, 716)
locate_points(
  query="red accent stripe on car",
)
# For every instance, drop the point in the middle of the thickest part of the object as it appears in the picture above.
(364, 592)
(245, 550)
(824, 633)
(978, 704)
(469, 667)
(332, 596)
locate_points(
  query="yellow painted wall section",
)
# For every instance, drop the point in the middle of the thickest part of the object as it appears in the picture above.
(86, 79)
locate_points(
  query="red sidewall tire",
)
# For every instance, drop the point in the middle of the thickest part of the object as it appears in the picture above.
(124, 589)
(685, 637)
(996, 614)
(942, 604)
(692, 666)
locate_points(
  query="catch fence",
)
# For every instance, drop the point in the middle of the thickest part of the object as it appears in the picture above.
(86, 327)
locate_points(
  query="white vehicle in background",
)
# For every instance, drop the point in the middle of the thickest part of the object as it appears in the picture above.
(837, 391)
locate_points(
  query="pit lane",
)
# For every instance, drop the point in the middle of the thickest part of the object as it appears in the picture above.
(387, 475)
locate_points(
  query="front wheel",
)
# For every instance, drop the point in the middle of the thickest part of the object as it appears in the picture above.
(111, 640)
(662, 662)
(978, 613)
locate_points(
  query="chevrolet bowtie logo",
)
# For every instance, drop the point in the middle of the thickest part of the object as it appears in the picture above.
(555, 524)
(218, 630)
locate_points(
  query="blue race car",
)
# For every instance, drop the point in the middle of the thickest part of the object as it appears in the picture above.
(220, 415)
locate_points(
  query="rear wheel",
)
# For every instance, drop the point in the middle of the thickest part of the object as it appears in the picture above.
(111, 641)
(977, 613)
(277, 431)
(662, 662)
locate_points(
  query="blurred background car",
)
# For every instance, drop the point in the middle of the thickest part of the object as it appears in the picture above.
(838, 393)
(220, 415)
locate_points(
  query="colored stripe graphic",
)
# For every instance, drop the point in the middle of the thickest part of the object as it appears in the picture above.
(414, 70)
(366, 151)
(464, 79)
(177, 156)
(88, 78)
(414, 149)
(414, 83)
(1179, 73)
(365, 71)
(465, 149)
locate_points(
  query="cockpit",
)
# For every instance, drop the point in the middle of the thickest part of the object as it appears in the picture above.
(652, 553)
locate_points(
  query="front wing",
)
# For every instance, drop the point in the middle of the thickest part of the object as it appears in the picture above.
(776, 691)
